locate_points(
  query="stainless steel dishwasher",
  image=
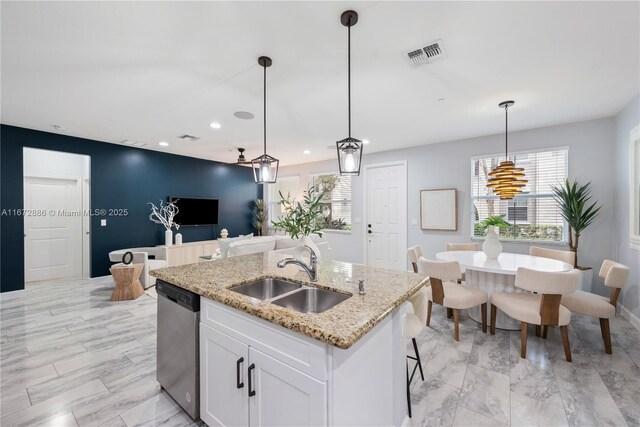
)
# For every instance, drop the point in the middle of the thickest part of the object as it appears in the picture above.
(178, 370)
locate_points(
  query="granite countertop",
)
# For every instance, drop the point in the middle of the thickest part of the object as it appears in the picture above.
(342, 325)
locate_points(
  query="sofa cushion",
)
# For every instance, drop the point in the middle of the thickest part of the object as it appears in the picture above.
(287, 242)
(224, 243)
(246, 247)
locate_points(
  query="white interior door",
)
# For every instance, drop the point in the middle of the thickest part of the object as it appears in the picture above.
(52, 228)
(386, 225)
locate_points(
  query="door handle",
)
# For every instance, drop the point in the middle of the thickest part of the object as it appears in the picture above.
(252, 392)
(238, 363)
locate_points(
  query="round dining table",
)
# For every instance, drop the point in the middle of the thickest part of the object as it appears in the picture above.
(498, 275)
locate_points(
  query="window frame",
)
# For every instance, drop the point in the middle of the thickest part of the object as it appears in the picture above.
(565, 229)
(312, 177)
(634, 181)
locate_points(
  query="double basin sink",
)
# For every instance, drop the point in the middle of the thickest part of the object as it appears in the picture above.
(291, 295)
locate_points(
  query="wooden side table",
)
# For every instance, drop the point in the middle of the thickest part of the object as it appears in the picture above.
(127, 278)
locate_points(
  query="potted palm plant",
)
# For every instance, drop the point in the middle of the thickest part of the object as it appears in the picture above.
(492, 246)
(573, 200)
(575, 207)
(261, 216)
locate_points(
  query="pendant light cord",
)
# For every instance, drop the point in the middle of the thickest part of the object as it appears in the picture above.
(349, 71)
(264, 97)
(506, 133)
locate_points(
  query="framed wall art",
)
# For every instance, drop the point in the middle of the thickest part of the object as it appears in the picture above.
(438, 209)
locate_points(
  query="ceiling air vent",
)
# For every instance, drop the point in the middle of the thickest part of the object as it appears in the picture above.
(426, 54)
(190, 138)
(131, 143)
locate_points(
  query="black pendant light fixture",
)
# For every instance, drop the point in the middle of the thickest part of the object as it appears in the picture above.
(506, 179)
(349, 149)
(265, 167)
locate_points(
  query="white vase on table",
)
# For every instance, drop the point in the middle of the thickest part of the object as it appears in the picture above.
(492, 246)
(178, 239)
(168, 238)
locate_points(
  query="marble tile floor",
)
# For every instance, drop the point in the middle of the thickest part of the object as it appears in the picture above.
(69, 356)
(481, 380)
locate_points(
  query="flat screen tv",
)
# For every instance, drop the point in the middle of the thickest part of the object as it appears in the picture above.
(195, 212)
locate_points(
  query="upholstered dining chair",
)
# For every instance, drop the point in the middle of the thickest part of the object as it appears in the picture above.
(615, 276)
(413, 325)
(453, 296)
(461, 247)
(542, 308)
(414, 253)
(451, 247)
(564, 256)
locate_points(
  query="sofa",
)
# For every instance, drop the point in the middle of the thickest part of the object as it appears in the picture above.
(252, 245)
(150, 257)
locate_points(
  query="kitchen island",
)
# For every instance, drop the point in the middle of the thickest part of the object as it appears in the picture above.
(265, 364)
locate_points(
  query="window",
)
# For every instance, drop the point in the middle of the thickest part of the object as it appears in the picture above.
(336, 203)
(284, 185)
(533, 215)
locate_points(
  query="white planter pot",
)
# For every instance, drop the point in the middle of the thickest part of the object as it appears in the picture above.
(168, 238)
(586, 280)
(308, 241)
(492, 246)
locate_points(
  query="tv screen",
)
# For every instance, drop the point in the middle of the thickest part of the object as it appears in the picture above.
(195, 212)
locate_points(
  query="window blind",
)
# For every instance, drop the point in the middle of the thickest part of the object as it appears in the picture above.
(533, 215)
(336, 209)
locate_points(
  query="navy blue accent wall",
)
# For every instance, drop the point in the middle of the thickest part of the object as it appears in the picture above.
(121, 178)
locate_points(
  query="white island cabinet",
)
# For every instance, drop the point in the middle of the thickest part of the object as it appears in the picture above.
(256, 373)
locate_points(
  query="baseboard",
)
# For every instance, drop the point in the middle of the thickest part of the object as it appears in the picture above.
(632, 318)
(6, 296)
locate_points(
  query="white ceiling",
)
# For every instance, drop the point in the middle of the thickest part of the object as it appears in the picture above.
(150, 71)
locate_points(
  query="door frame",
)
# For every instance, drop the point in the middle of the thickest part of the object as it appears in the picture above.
(85, 188)
(405, 174)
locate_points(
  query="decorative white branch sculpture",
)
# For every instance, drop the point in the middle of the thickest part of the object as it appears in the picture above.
(164, 214)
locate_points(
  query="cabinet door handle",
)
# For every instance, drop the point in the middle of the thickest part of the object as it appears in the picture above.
(252, 392)
(238, 363)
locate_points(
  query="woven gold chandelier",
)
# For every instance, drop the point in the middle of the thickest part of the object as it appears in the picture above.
(506, 179)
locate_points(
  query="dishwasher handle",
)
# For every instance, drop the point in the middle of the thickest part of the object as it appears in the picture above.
(238, 363)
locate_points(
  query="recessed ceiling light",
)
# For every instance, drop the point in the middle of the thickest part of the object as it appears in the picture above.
(307, 152)
(58, 127)
(244, 115)
(163, 143)
(365, 141)
(215, 125)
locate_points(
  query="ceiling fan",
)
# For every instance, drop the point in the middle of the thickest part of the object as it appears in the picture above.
(241, 159)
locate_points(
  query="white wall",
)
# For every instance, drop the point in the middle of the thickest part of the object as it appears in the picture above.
(447, 165)
(626, 120)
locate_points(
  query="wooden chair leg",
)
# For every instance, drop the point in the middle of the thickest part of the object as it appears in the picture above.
(483, 309)
(523, 340)
(545, 329)
(538, 330)
(449, 313)
(429, 306)
(565, 342)
(494, 312)
(606, 335)
(456, 325)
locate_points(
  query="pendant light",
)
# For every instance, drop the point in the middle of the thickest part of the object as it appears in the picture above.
(506, 179)
(349, 149)
(265, 167)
